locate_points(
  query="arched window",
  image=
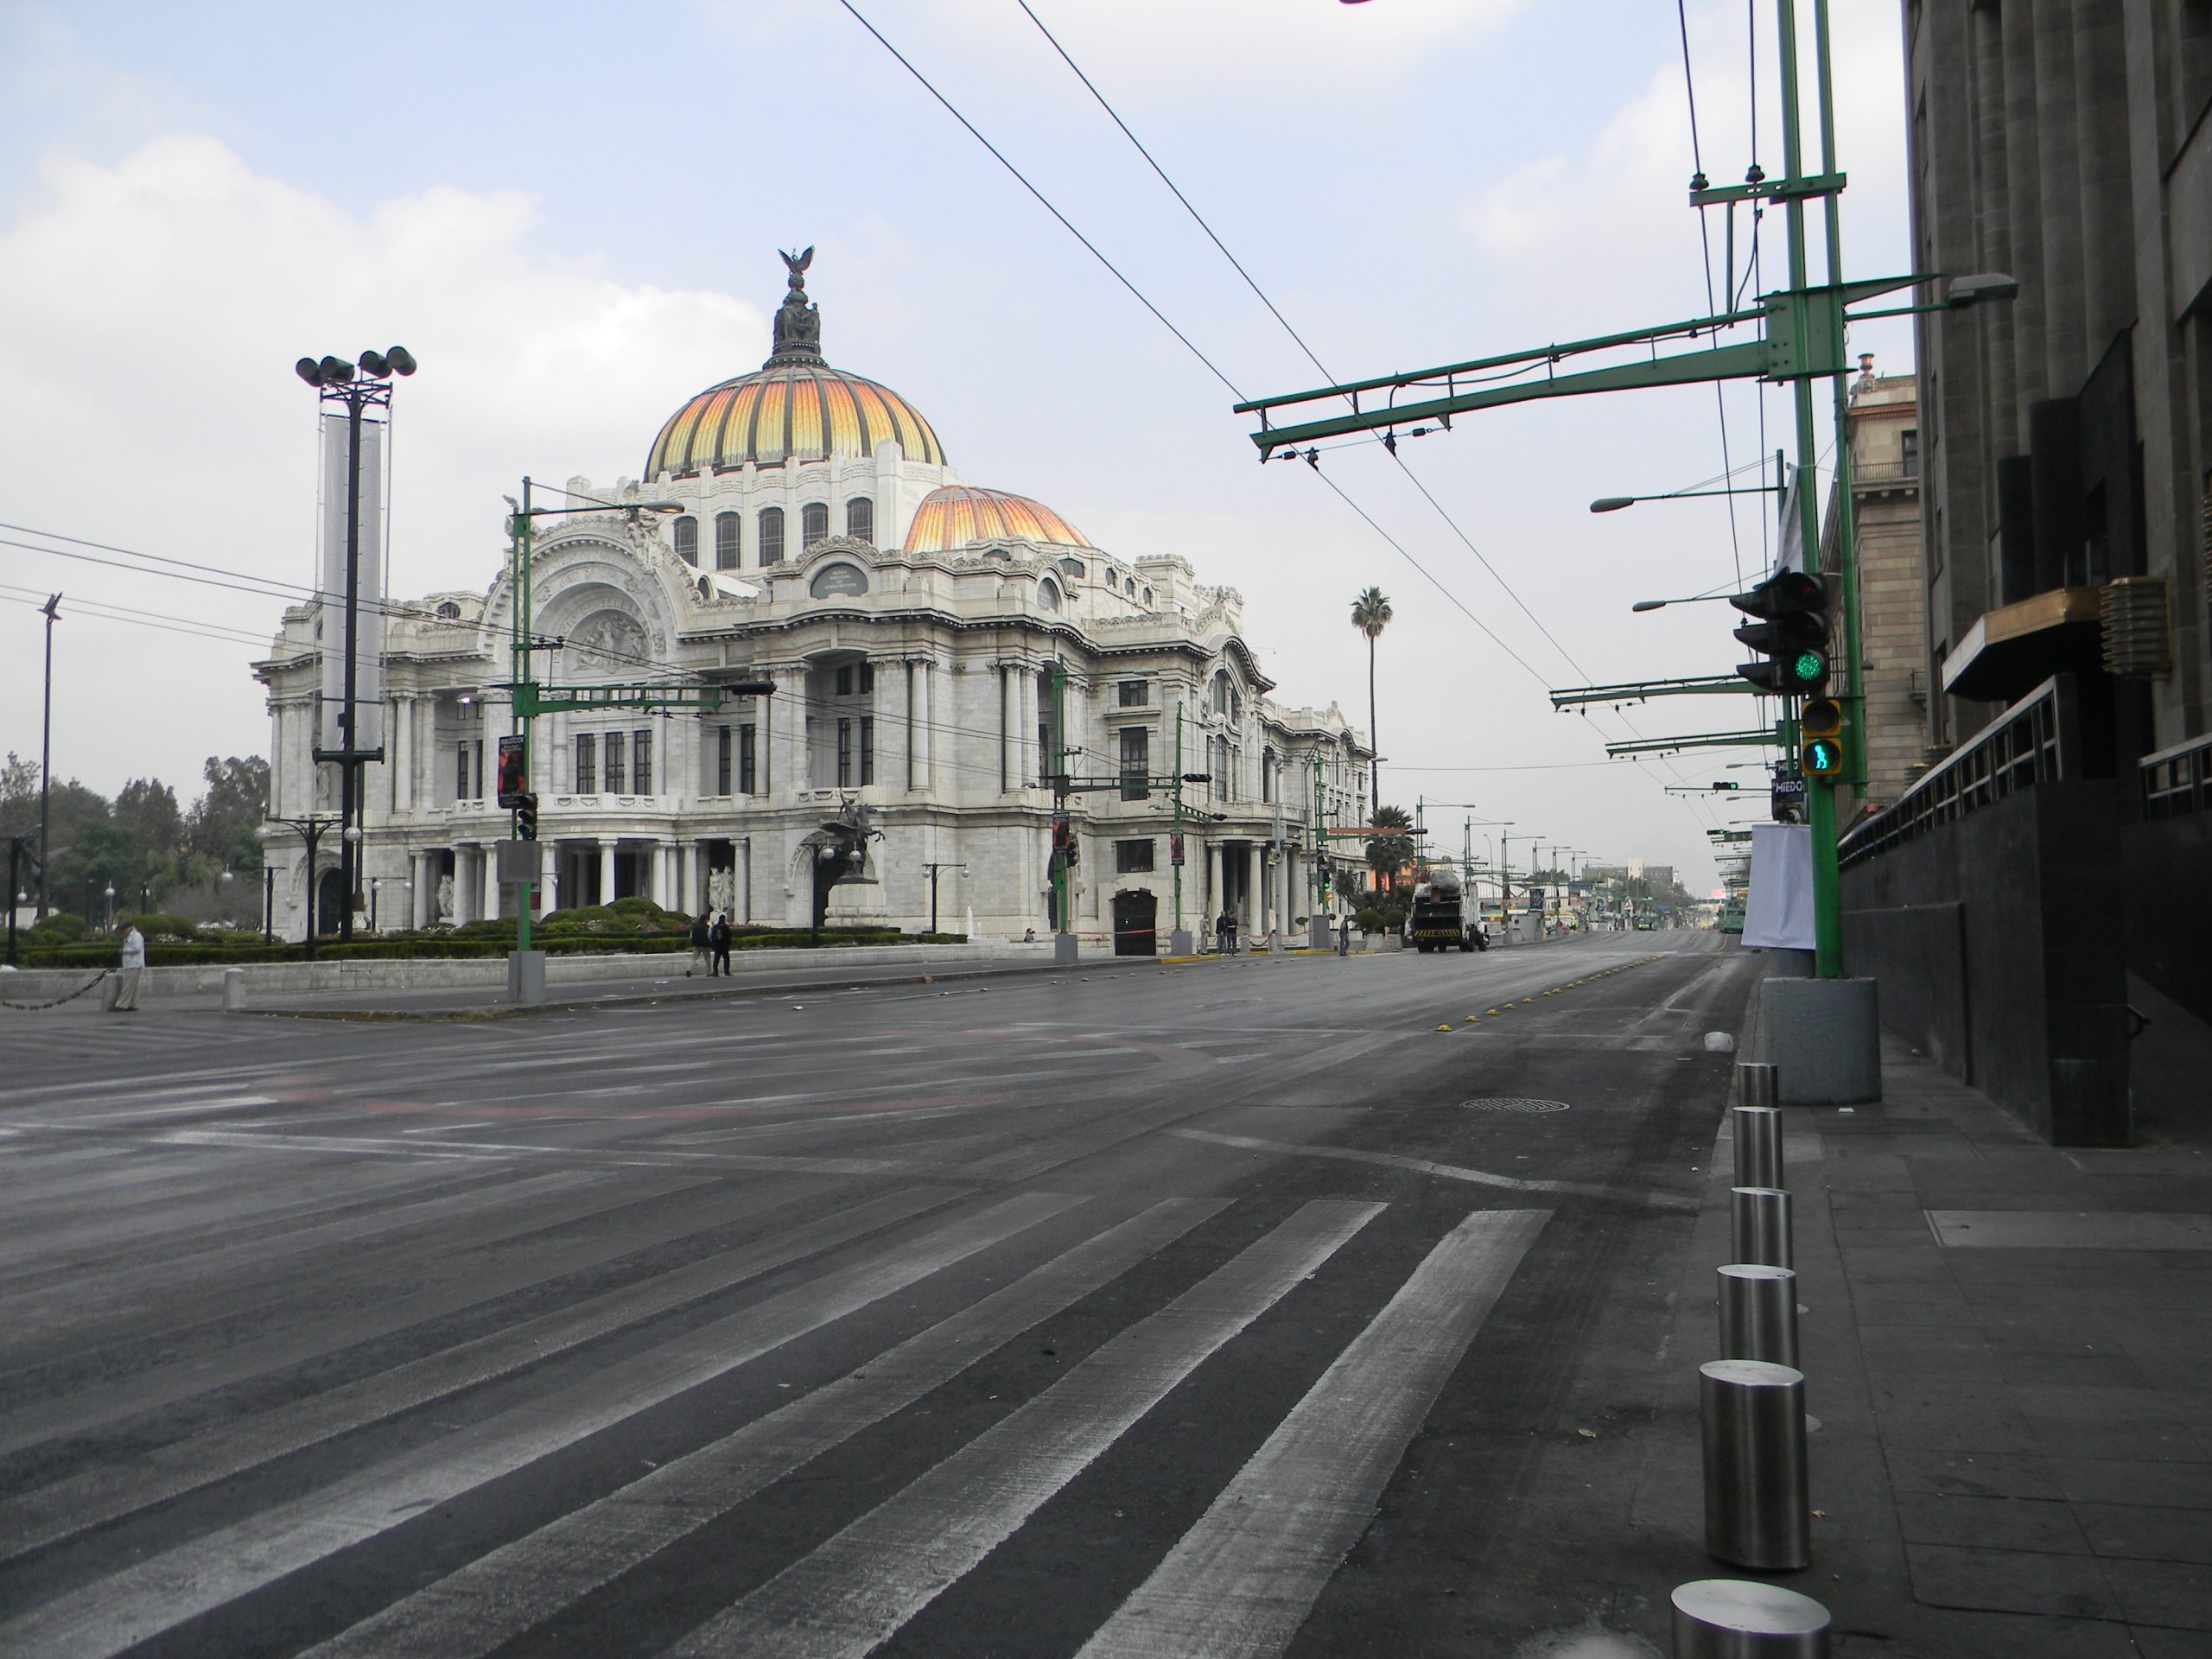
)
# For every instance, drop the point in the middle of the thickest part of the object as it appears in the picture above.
(813, 523)
(1073, 567)
(687, 539)
(1048, 595)
(728, 531)
(1221, 691)
(772, 535)
(447, 609)
(1147, 595)
(859, 519)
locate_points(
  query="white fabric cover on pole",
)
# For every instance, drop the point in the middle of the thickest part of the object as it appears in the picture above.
(1778, 911)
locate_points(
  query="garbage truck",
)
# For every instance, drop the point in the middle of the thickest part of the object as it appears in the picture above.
(1446, 914)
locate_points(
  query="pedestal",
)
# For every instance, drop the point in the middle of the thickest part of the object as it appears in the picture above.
(1063, 951)
(525, 978)
(1824, 1038)
(1179, 942)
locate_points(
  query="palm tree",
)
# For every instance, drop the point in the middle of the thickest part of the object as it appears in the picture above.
(1370, 614)
(1392, 851)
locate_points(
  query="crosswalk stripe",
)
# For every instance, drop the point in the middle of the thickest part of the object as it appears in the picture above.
(101, 1494)
(861, 1585)
(1239, 1583)
(105, 1618)
(504, 1593)
(138, 1295)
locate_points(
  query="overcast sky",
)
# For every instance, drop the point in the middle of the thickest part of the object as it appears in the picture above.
(570, 214)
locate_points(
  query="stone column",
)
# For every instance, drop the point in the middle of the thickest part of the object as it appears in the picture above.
(1256, 892)
(487, 869)
(548, 871)
(926, 731)
(419, 896)
(1009, 773)
(1026, 759)
(464, 876)
(913, 677)
(694, 858)
(606, 870)
(1211, 905)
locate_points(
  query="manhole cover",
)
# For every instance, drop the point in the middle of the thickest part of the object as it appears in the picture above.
(1516, 1104)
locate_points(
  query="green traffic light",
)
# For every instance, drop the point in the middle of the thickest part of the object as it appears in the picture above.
(1823, 757)
(1809, 667)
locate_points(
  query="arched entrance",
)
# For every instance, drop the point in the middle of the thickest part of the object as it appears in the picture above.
(1134, 911)
(329, 902)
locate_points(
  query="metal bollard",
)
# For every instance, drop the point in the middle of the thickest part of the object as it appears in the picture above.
(1758, 1225)
(1757, 1510)
(1756, 1131)
(1757, 1083)
(233, 989)
(1736, 1618)
(1758, 1312)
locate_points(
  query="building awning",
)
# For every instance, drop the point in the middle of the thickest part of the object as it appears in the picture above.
(2011, 651)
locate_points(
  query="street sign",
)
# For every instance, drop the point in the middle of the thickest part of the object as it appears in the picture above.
(1789, 803)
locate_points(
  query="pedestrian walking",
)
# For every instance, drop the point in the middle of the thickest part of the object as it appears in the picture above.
(1230, 916)
(134, 963)
(718, 943)
(699, 945)
(1343, 934)
(1221, 933)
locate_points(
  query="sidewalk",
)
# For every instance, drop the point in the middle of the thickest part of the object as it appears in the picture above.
(664, 981)
(2008, 1349)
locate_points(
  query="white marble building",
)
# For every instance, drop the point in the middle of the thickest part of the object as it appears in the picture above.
(913, 626)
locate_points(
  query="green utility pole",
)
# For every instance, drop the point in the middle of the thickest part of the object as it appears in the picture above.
(1060, 917)
(1175, 819)
(1802, 339)
(523, 708)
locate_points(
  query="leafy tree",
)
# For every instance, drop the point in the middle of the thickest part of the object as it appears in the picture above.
(221, 828)
(1370, 614)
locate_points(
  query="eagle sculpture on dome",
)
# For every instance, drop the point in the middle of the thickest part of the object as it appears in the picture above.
(798, 325)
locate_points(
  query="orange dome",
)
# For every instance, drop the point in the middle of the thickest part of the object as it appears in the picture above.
(791, 412)
(959, 515)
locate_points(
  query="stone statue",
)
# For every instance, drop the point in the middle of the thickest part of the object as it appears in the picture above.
(798, 324)
(445, 897)
(721, 891)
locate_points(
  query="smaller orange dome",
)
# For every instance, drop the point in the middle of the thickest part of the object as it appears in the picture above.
(959, 515)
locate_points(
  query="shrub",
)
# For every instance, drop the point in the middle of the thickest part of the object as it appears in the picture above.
(60, 928)
(157, 924)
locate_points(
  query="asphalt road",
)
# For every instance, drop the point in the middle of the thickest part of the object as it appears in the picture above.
(1136, 1311)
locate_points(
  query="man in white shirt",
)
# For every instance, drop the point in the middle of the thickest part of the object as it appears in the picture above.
(134, 963)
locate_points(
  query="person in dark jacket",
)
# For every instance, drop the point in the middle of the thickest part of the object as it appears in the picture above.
(718, 942)
(698, 946)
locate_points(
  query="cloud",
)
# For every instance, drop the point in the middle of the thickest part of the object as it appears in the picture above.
(156, 308)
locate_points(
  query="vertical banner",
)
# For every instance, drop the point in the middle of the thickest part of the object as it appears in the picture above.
(368, 671)
(1778, 909)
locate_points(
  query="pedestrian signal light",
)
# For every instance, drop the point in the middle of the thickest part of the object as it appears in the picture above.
(1819, 726)
(513, 781)
(526, 817)
(1790, 631)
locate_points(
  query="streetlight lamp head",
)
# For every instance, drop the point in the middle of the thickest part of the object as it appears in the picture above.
(1992, 285)
(374, 365)
(353, 832)
(1612, 503)
(310, 371)
(402, 360)
(333, 372)
(1648, 605)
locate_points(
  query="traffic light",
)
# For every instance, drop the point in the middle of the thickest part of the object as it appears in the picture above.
(1820, 731)
(526, 817)
(1064, 842)
(1726, 782)
(1791, 632)
(513, 781)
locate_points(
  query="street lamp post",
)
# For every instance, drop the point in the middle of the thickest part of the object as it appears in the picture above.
(310, 828)
(335, 382)
(51, 610)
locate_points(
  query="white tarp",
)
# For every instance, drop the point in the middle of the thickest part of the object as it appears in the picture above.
(1778, 910)
(368, 629)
